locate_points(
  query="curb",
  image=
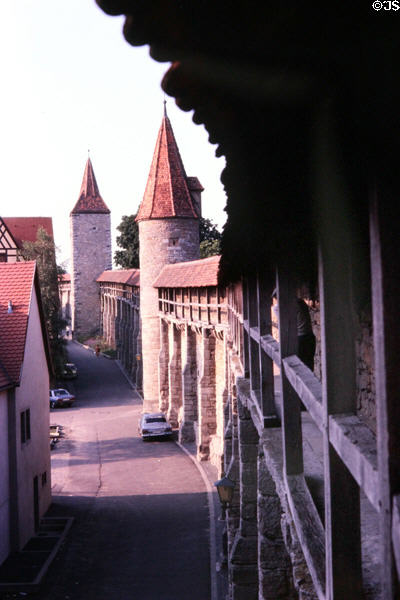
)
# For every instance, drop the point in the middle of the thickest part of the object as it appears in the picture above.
(211, 512)
(121, 368)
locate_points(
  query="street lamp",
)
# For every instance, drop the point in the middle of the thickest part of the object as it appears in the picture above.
(225, 487)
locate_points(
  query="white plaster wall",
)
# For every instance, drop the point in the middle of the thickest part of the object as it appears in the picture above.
(4, 486)
(33, 457)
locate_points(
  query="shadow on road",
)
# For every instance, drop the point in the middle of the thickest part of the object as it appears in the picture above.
(131, 547)
(115, 450)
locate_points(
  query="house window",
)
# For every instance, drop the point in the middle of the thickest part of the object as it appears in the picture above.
(44, 478)
(25, 426)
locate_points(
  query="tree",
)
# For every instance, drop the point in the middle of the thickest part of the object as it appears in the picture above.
(43, 251)
(210, 238)
(128, 257)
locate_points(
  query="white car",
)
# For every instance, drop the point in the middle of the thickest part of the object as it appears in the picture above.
(154, 425)
(60, 398)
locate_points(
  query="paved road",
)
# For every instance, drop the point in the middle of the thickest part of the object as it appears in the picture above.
(140, 508)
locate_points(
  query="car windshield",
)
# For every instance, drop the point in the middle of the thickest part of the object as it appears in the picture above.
(155, 420)
(60, 392)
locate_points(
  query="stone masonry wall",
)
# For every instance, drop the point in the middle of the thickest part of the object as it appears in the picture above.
(91, 255)
(174, 412)
(189, 386)
(205, 393)
(365, 379)
(221, 394)
(162, 241)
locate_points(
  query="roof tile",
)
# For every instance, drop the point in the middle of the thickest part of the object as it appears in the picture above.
(167, 192)
(125, 276)
(89, 200)
(16, 282)
(24, 229)
(194, 273)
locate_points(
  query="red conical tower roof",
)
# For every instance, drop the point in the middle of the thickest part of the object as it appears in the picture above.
(90, 200)
(167, 193)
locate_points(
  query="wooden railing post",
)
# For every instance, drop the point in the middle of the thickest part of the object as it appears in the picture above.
(342, 495)
(291, 423)
(264, 292)
(385, 283)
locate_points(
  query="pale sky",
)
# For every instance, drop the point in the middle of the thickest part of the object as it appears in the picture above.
(70, 82)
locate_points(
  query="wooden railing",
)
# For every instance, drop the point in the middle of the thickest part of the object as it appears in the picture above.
(202, 307)
(350, 452)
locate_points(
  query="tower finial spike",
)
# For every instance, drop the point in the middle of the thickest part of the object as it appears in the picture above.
(165, 107)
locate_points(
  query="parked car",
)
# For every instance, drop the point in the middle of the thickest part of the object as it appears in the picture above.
(70, 371)
(60, 397)
(154, 425)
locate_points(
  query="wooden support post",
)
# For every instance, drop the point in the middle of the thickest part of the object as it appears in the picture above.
(254, 350)
(336, 253)
(264, 292)
(190, 306)
(385, 282)
(246, 360)
(291, 421)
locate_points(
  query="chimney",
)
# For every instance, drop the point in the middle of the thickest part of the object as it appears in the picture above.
(10, 307)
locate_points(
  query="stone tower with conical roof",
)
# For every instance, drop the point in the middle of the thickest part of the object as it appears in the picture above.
(90, 229)
(168, 219)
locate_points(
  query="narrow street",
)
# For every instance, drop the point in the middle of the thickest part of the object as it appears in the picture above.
(140, 508)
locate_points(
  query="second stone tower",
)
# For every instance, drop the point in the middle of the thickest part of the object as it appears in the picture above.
(91, 254)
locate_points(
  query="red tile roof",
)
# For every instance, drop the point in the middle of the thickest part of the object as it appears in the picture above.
(89, 200)
(194, 273)
(24, 229)
(16, 284)
(125, 276)
(65, 277)
(167, 193)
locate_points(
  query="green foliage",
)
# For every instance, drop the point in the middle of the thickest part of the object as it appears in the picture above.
(210, 238)
(128, 257)
(43, 252)
(208, 230)
(210, 248)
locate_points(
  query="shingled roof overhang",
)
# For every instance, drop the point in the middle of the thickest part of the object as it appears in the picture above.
(193, 273)
(260, 78)
(125, 276)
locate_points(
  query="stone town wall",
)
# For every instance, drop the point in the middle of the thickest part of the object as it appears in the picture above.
(120, 327)
(162, 242)
(203, 389)
(91, 255)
